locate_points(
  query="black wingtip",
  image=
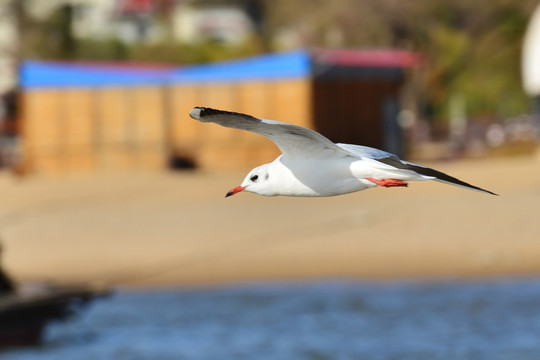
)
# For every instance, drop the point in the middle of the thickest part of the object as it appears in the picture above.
(204, 111)
(200, 112)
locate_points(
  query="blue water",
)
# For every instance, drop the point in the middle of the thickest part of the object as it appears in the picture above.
(492, 320)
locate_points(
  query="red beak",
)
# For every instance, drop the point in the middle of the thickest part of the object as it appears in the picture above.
(235, 190)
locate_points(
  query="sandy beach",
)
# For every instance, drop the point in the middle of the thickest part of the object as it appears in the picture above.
(176, 228)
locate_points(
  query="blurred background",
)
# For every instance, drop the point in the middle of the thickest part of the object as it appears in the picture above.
(109, 189)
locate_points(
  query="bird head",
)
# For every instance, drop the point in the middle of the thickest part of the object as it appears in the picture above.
(257, 181)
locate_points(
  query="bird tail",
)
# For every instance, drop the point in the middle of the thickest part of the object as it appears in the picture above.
(444, 178)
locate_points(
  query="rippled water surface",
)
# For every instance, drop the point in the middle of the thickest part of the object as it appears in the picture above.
(333, 320)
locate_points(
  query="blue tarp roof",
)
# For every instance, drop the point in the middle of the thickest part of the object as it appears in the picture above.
(294, 64)
(36, 74)
(284, 65)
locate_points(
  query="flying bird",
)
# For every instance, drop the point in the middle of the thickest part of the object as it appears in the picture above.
(312, 165)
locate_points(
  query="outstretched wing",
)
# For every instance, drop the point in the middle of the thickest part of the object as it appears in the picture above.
(292, 140)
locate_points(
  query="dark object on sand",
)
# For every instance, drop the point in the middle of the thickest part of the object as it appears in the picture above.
(25, 311)
(6, 284)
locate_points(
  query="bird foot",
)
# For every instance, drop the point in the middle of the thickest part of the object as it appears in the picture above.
(388, 182)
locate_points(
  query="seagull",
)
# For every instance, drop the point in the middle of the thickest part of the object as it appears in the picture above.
(312, 165)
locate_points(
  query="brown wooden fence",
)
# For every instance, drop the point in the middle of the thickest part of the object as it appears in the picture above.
(80, 129)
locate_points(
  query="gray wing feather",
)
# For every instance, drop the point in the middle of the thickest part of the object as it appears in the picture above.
(292, 140)
(367, 152)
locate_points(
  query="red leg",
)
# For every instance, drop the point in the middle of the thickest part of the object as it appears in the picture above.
(388, 182)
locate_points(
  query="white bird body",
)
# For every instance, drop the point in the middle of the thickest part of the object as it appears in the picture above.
(312, 165)
(312, 177)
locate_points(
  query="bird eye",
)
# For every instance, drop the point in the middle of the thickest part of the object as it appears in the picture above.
(254, 177)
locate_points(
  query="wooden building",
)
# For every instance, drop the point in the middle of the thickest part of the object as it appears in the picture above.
(89, 116)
